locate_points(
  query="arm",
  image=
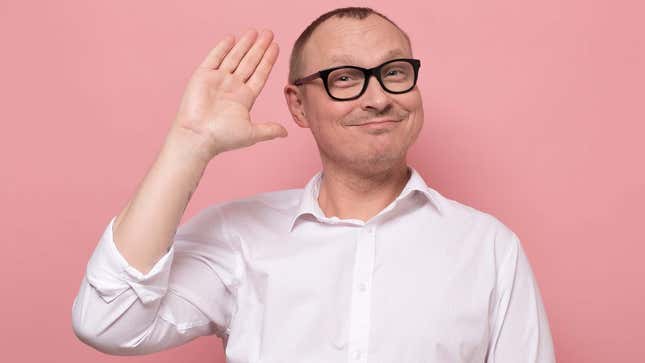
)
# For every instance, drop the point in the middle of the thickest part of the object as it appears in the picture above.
(188, 293)
(150, 284)
(213, 117)
(520, 328)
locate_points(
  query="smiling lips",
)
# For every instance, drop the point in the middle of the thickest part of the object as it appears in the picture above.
(378, 122)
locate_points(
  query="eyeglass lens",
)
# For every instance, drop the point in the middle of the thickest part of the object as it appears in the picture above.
(348, 82)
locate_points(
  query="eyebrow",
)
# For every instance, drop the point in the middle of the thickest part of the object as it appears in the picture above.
(348, 59)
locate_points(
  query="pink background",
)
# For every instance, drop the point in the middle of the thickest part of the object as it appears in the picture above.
(534, 113)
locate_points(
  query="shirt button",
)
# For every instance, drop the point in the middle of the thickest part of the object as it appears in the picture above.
(356, 354)
(362, 286)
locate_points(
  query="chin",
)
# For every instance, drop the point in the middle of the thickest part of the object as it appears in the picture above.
(378, 163)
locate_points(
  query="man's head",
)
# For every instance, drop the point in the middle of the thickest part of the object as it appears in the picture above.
(364, 38)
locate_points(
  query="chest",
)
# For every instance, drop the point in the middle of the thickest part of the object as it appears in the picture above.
(364, 289)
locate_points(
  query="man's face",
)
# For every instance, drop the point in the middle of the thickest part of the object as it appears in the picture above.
(344, 130)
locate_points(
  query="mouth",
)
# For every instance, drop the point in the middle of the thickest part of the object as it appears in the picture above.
(378, 122)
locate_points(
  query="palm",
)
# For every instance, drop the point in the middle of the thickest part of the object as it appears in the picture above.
(217, 100)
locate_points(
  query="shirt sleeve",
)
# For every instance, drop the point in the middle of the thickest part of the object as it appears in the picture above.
(520, 328)
(189, 292)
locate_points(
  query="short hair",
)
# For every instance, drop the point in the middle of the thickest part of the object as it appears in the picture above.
(295, 61)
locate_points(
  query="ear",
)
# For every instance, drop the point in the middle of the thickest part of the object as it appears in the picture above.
(294, 97)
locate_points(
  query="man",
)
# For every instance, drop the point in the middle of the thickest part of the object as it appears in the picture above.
(365, 264)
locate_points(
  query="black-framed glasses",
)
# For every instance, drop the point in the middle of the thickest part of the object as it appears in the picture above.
(345, 83)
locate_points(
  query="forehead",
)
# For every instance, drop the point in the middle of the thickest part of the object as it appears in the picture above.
(346, 41)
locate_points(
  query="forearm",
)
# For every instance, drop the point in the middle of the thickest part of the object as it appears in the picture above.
(144, 230)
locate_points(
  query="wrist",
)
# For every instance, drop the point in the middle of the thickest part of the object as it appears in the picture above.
(188, 147)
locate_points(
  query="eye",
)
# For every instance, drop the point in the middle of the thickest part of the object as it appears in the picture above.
(395, 72)
(345, 78)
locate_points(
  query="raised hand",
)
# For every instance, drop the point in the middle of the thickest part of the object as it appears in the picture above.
(214, 113)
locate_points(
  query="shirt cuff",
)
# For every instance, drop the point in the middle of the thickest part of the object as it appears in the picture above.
(111, 275)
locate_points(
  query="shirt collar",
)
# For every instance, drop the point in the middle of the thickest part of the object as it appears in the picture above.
(309, 199)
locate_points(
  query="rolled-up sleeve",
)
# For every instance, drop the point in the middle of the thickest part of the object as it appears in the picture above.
(189, 292)
(519, 323)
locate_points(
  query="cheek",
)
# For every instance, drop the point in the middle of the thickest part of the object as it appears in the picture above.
(326, 117)
(412, 101)
(320, 108)
(414, 106)
(419, 117)
(326, 126)
(416, 127)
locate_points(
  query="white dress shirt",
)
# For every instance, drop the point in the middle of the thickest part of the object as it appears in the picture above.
(427, 279)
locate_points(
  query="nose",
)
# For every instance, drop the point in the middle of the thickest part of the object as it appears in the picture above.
(375, 97)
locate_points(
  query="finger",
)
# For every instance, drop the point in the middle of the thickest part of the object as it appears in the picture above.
(267, 131)
(259, 77)
(233, 57)
(215, 56)
(253, 56)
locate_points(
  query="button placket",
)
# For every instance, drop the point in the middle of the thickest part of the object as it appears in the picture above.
(356, 354)
(361, 296)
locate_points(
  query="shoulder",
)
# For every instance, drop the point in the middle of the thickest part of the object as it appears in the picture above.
(472, 221)
(261, 208)
(217, 218)
(266, 202)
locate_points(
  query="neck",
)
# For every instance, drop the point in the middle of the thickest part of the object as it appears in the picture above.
(352, 194)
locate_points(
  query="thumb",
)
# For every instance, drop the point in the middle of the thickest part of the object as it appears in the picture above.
(268, 130)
